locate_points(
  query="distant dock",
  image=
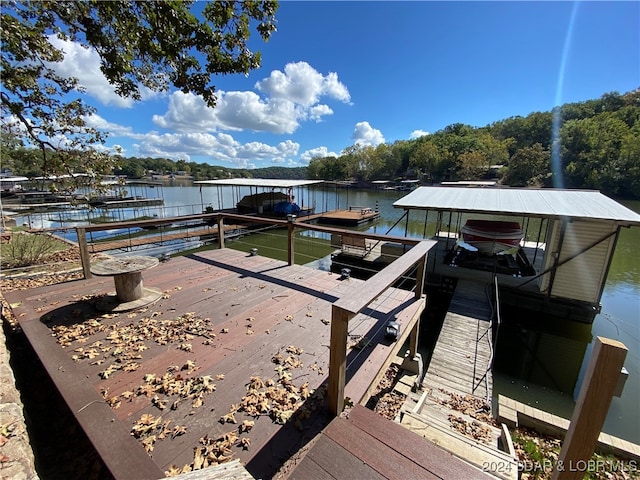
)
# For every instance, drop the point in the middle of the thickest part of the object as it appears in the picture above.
(352, 217)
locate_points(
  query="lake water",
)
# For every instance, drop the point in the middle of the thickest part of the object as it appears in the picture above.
(547, 341)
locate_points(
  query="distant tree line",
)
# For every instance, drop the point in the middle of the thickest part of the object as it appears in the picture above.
(593, 144)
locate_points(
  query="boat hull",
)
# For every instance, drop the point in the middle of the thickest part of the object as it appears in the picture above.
(491, 237)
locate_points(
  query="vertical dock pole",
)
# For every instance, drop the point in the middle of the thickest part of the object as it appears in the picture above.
(598, 388)
(220, 231)
(84, 251)
(291, 236)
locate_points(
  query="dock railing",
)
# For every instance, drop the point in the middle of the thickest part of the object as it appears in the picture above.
(221, 221)
(357, 300)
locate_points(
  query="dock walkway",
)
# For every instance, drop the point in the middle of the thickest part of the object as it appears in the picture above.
(366, 445)
(458, 372)
(463, 351)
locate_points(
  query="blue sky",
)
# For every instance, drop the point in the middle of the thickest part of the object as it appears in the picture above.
(339, 73)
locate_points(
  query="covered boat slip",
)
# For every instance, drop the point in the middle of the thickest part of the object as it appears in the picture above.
(281, 198)
(569, 241)
(234, 338)
(266, 196)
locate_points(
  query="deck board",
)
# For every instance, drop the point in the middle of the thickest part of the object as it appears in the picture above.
(227, 287)
(366, 445)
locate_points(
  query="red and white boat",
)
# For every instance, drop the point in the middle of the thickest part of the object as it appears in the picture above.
(492, 236)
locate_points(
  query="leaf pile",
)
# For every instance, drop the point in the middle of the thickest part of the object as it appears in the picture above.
(165, 391)
(150, 429)
(278, 398)
(538, 456)
(473, 429)
(469, 405)
(124, 344)
(211, 451)
(390, 404)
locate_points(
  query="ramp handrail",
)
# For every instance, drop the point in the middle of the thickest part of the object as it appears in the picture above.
(358, 299)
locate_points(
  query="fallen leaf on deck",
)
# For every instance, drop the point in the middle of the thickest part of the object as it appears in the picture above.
(246, 426)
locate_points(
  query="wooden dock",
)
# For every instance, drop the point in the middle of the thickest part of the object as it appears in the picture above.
(230, 362)
(461, 359)
(348, 218)
(459, 373)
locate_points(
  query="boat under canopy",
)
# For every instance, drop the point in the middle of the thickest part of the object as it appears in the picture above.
(491, 237)
(270, 203)
(267, 196)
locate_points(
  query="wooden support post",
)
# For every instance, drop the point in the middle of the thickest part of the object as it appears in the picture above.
(84, 251)
(413, 340)
(220, 231)
(337, 359)
(291, 237)
(591, 409)
(420, 274)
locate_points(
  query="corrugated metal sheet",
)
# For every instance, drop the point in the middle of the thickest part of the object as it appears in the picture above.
(259, 182)
(548, 203)
(580, 278)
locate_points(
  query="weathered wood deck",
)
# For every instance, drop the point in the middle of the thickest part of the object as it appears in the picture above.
(462, 354)
(222, 319)
(367, 446)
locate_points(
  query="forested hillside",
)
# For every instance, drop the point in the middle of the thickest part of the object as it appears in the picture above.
(593, 144)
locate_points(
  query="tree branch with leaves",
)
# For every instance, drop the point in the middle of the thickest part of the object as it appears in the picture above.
(141, 45)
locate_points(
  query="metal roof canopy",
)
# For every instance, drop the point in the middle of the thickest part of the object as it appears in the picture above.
(548, 203)
(259, 182)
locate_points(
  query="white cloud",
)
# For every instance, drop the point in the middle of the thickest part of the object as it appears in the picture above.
(302, 84)
(84, 64)
(316, 152)
(417, 134)
(99, 123)
(316, 113)
(221, 147)
(291, 97)
(365, 134)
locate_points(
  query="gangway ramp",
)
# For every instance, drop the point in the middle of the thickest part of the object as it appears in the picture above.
(460, 362)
